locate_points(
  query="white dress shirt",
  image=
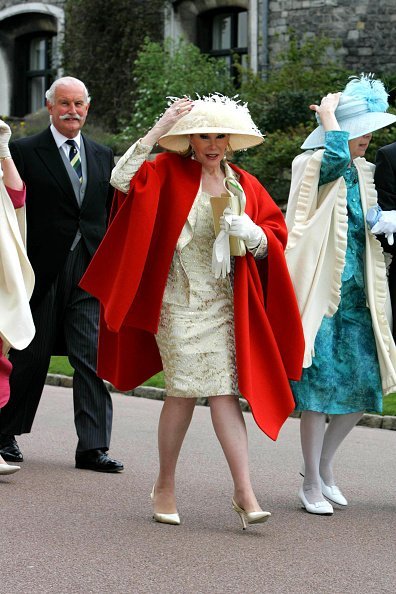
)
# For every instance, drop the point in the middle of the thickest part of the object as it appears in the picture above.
(61, 140)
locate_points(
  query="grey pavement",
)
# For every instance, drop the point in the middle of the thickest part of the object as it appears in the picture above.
(67, 531)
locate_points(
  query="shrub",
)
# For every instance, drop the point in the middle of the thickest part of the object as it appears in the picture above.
(381, 138)
(271, 161)
(171, 69)
(280, 108)
(102, 38)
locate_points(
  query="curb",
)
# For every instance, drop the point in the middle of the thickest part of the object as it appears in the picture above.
(64, 381)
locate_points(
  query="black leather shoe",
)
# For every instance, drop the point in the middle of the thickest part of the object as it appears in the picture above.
(98, 460)
(9, 449)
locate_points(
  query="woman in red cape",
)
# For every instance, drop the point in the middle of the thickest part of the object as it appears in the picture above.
(174, 298)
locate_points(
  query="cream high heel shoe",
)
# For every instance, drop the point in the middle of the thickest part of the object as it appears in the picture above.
(8, 468)
(165, 518)
(250, 517)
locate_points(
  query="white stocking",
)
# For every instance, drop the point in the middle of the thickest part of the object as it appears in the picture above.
(312, 432)
(338, 429)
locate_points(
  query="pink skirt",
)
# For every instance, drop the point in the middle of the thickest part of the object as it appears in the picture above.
(5, 370)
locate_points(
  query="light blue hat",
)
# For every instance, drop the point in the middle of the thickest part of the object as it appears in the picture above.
(361, 110)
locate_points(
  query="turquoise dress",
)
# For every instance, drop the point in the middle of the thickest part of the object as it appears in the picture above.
(344, 376)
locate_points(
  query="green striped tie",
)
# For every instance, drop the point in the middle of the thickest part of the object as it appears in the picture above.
(74, 157)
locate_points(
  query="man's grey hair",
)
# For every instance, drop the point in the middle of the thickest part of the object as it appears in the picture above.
(50, 94)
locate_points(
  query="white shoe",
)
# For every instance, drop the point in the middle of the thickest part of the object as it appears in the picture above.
(165, 518)
(333, 493)
(323, 508)
(8, 468)
(258, 517)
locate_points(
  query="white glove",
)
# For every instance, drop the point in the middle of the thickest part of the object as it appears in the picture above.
(221, 261)
(386, 225)
(5, 135)
(241, 226)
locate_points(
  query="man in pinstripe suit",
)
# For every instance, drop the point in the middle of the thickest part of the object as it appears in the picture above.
(68, 197)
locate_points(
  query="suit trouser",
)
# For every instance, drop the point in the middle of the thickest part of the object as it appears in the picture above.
(65, 307)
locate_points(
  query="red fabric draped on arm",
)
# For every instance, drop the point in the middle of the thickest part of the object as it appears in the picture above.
(268, 332)
(131, 243)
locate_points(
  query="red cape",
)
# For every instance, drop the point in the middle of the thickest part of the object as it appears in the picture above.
(129, 271)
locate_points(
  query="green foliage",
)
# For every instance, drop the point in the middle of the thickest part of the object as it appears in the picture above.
(381, 138)
(307, 65)
(280, 108)
(102, 38)
(305, 73)
(132, 71)
(271, 161)
(170, 69)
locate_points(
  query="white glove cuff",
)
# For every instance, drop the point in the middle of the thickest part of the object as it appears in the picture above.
(260, 251)
(4, 152)
(255, 237)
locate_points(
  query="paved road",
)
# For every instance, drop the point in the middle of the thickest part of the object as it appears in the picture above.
(68, 531)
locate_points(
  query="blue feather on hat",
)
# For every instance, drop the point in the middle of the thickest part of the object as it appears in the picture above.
(367, 88)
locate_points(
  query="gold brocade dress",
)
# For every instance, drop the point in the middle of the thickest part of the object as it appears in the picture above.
(196, 331)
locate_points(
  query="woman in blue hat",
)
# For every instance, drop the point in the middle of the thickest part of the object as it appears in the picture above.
(338, 271)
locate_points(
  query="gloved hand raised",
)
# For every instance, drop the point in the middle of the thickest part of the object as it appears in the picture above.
(386, 225)
(241, 226)
(5, 135)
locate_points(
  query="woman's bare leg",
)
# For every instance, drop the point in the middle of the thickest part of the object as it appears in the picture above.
(229, 426)
(174, 421)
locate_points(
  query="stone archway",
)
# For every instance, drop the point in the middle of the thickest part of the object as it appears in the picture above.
(22, 19)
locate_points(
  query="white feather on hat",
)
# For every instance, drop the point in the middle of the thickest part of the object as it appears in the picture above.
(214, 114)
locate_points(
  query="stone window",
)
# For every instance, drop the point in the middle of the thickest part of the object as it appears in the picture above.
(38, 74)
(30, 38)
(223, 33)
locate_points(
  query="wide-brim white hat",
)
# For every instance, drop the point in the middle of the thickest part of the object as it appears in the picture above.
(361, 110)
(215, 114)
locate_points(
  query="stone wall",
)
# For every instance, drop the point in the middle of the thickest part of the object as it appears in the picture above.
(14, 3)
(364, 29)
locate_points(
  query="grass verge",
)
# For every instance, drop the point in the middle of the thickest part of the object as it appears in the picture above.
(61, 365)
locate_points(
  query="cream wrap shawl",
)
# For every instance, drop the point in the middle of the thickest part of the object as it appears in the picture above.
(317, 221)
(16, 276)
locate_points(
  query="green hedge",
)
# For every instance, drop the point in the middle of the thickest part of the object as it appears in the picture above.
(102, 38)
(130, 78)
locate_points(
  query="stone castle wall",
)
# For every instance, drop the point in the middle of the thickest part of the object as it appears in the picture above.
(364, 29)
